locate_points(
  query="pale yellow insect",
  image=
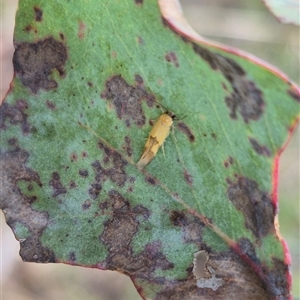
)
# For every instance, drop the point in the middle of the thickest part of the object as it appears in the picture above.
(157, 136)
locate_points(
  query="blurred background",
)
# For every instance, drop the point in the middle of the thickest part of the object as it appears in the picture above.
(243, 24)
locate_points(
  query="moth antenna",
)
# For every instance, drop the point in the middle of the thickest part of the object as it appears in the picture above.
(161, 105)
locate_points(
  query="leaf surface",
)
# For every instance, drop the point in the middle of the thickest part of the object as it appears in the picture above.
(90, 79)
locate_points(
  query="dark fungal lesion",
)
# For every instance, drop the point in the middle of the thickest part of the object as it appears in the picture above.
(57, 186)
(186, 130)
(256, 206)
(171, 57)
(246, 97)
(259, 149)
(16, 114)
(127, 99)
(34, 62)
(38, 14)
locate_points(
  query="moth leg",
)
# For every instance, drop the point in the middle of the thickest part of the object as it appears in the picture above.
(173, 133)
(163, 149)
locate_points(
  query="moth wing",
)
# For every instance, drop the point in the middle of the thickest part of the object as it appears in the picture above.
(150, 151)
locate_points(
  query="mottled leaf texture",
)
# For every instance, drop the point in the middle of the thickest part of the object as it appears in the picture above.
(91, 78)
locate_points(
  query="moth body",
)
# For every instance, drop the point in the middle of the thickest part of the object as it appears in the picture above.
(157, 136)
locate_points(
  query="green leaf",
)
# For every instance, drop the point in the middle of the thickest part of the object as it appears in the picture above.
(90, 78)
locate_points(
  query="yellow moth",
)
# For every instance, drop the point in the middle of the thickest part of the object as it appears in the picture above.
(157, 136)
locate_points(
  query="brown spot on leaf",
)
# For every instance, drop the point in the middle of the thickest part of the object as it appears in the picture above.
(34, 62)
(16, 206)
(58, 188)
(62, 36)
(104, 206)
(72, 184)
(191, 227)
(50, 105)
(172, 58)
(72, 257)
(38, 14)
(229, 161)
(178, 218)
(100, 177)
(13, 169)
(73, 156)
(90, 84)
(139, 2)
(81, 30)
(131, 179)
(246, 97)
(294, 93)
(15, 114)
(275, 277)
(127, 100)
(248, 249)
(117, 237)
(31, 250)
(278, 279)
(207, 55)
(86, 204)
(150, 180)
(192, 231)
(255, 205)
(214, 136)
(186, 130)
(127, 145)
(115, 172)
(22, 104)
(188, 177)
(83, 173)
(12, 141)
(30, 28)
(260, 149)
(141, 210)
(139, 80)
(248, 100)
